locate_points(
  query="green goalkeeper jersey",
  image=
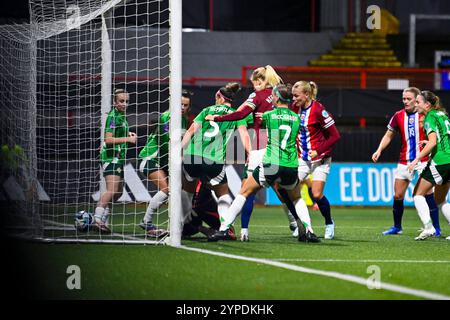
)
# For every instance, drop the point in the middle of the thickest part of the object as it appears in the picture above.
(438, 122)
(116, 123)
(158, 142)
(282, 126)
(210, 141)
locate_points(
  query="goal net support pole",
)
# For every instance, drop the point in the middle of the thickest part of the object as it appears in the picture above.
(175, 83)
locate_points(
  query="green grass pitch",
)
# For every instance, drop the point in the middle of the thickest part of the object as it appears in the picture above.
(162, 272)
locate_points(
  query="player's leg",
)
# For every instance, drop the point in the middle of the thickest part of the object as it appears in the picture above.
(303, 172)
(402, 179)
(319, 177)
(113, 181)
(255, 158)
(440, 194)
(304, 228)
(423, 187)
(308, 183)
(250, 187)
(189, 185)
(288, 207)
(434, 212)
(224, 199)
(159, 179)
(246, 213)
(297, 207)
(192, 171)
(432, 204)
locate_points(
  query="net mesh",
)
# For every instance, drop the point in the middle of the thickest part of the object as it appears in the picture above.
(84, 50)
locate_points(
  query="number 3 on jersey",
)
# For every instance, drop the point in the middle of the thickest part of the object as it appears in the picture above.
(214, 132)
(286, 135)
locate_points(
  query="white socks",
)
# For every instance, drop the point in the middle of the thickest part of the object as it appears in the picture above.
(99, 212)
(445, 208)
(223, 204)
(231, 214)
(423, 210)
(157, 200)
(303, 213)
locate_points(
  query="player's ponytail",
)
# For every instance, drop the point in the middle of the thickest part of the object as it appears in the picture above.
(310, 88)
(272, 78)
(433, 100)
(314, 89)
(229, 91)
(267, 75)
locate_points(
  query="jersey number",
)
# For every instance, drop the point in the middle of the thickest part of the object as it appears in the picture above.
(286, 135)
(214, 132)
(447, 124)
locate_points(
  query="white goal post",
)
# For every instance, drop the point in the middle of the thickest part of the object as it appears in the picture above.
(81, 51)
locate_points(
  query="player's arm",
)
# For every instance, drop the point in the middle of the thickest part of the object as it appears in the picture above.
(189, 133)
(245, 138)
(333, 136)
(110, 139)
(385, 141)
(432, 141)
(244, 110)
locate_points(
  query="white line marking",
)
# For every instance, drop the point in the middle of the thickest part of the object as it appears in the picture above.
(331, 274)
(364, 261)
(337, 227)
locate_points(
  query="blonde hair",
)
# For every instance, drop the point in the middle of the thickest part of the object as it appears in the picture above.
(117, 92)
(307, 87)
(413, 90)
(267, 75)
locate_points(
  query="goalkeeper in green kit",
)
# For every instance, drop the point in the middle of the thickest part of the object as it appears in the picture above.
(437, 171)
(154, 162)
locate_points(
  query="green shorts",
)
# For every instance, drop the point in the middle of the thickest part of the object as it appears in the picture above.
(113, 169)
(147, 166)
(199, 168)
(267, 175)
(436, 174)
(245, 174)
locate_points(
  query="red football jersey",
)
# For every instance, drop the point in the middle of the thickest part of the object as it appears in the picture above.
(260, 101)
(315, 121)
(410, 128)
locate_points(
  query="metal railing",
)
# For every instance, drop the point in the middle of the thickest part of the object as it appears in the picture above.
(355, 78)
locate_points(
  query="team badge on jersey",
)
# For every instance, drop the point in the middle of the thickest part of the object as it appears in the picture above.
(112, 124)
(325, 114)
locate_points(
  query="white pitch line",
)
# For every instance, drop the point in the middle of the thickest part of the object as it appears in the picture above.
(337, 227)
(364, 261)
(330, 274)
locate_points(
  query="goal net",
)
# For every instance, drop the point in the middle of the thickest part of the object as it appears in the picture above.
(85, 50)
